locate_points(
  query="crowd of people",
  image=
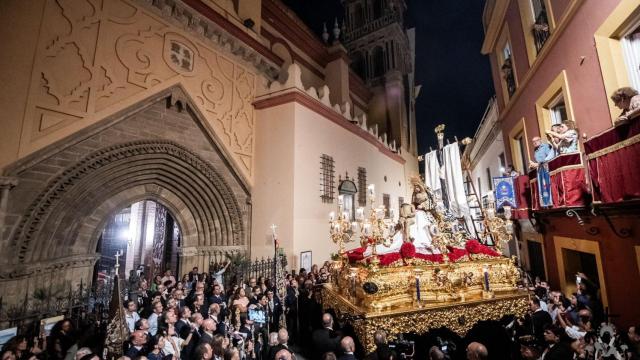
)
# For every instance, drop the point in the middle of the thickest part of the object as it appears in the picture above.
(199, 318)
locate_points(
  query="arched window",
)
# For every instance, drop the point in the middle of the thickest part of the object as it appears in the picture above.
(377, 58)
(358, 65)
(347, 190)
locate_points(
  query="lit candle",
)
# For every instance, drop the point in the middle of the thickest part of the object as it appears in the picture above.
(367, 229)
(340, 199)
(392, 213)
(354, 227)
(485, 270)
(360, 213)
(345, 215)
(332, 216)
(372, 191)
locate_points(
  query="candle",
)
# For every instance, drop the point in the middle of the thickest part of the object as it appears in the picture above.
(418, 288)
(392, 213)
(485, 270)
(354, 227)
(345, 215)
(360, 213)
(332, 216)
(372, 191)
(340, 199)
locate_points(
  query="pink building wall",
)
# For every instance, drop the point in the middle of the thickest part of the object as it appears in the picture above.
(588, 97)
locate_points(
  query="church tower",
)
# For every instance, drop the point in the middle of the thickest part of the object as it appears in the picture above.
(382, 53)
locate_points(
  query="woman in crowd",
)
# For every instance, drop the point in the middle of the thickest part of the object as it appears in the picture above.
(19, 347)
(61, 339)
(240, 300)
(628, 100)
(566, 138)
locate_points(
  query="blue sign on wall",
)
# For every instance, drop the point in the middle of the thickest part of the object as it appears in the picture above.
(505, 192)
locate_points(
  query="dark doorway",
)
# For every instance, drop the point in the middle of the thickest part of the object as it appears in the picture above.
(536, 260)
(578, 261)
(147, 237)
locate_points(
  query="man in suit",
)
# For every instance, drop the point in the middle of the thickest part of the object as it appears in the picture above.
(348, 347)
(558, 344)
(477, 351)
(138, 342)
(382, 347)
(540, 319)
(208, 329)
(291, 303)
(184, 323)
(274, 310)
(325, 339)
(195, 324)
(283, 339)
(218, 298)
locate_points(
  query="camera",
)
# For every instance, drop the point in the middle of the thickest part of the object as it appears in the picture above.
(404, 348)
(447, 346)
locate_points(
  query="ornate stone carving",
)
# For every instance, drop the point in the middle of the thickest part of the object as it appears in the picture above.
(94, 57)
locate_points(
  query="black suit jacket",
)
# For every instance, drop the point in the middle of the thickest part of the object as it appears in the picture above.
(559, 352)
(347, 357)
(540, 320)
(325, 340)
(206, 338)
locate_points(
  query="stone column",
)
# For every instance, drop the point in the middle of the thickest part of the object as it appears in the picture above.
(337, 74)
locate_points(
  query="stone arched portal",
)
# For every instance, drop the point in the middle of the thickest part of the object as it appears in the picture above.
(65, 193)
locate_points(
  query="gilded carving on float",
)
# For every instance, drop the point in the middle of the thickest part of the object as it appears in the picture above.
(421, 272)
(95, 58)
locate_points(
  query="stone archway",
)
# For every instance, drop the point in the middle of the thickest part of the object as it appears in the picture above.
(65, 193)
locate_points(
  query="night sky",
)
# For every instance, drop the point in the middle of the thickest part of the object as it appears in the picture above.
(455, 77)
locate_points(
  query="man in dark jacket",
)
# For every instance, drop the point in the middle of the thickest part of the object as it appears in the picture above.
(540, 319)
(325, 339)
(348, 347)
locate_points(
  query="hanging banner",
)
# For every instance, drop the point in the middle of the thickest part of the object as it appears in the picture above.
(505, 193)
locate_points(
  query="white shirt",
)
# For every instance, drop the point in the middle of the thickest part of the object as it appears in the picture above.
(131, 320)
(168, 348)
(574, 332)
(153, 324)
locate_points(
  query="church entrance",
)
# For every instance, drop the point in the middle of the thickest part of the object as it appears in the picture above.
(145, 238)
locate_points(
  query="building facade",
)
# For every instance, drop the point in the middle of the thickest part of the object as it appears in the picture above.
(558, 60)
(232, 116)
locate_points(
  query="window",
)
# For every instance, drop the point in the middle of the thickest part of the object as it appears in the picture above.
(489, 180)
(540, 26)
(537, 25)
(347, 189)
(377, 57)
(554, 105)
(616, 36)
(521, 151)
(327, 168)
(362, 185)
(558, 110)
(519, 147)
(506, 66)
(631, 51)
(386, 201)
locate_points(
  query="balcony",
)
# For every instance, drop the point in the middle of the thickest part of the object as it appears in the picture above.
(540, 30)
(612, 159)
(606, 175)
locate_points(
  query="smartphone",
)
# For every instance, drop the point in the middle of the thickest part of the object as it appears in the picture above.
(578, 279)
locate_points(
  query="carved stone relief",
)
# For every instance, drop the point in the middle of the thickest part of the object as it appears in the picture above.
(94, 57)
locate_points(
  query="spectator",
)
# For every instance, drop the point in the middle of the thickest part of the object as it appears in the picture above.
(326, 339)
(208, 330)
(634, 342)
(628, 101)
(510, 171)
(138, 340)
(203, 351)
(540, 319)
(557, 344)
(566, 138)
(477, 351)
(348, 347)
(131, 315)
(283, 339)
(436, 354)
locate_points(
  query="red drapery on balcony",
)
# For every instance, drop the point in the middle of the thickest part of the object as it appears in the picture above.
(613, 162)
(533, 185)
(567, 180)
(523, 197)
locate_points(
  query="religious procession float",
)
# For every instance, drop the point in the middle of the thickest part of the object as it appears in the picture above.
(423, 271)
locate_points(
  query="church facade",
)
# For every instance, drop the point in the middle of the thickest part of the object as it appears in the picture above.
(232, 115)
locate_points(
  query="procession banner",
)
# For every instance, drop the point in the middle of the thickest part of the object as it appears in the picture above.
(505, 192)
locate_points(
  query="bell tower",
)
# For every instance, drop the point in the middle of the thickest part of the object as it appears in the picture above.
(382, 53)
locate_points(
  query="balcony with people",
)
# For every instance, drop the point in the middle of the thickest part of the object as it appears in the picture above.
(605, 173)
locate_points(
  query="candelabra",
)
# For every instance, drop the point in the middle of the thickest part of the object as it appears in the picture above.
(373, 229)
(500, 229)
